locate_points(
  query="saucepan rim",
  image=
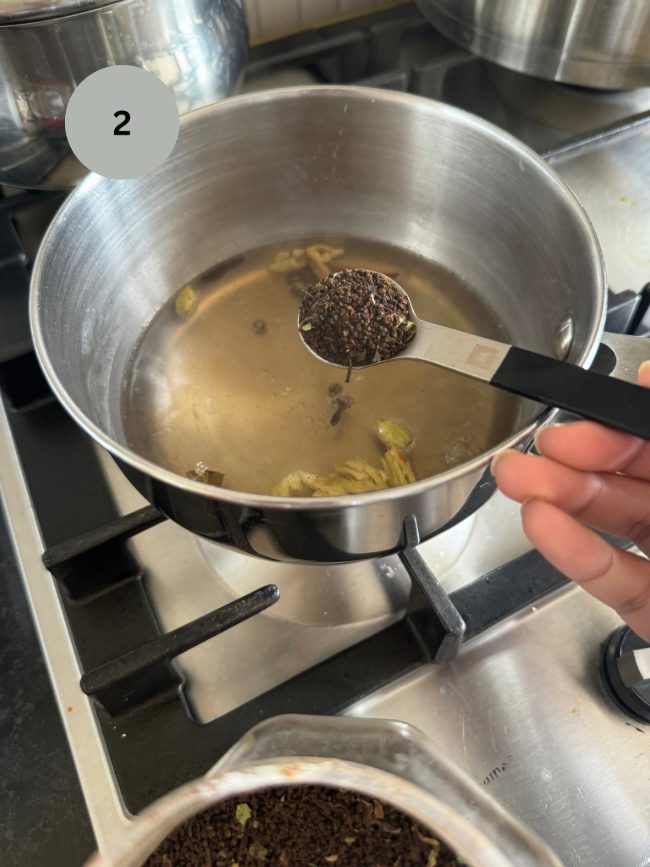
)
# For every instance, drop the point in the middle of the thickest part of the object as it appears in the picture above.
(266, 501)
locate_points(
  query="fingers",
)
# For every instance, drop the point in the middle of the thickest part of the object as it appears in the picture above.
(599, 476)
(585, 445)
(615, 504)
(618, 578)
(589, 446)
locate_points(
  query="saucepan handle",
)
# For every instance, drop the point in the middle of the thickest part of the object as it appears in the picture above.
(626, 355)
(614, 402)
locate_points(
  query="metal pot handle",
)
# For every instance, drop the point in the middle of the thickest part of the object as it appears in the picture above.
(621, 355)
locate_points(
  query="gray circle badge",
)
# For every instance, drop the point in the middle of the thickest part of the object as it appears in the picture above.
(122, 122)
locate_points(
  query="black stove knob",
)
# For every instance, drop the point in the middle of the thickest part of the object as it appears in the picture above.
(626, 670)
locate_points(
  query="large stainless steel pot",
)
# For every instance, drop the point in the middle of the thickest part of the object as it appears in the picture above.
(391, 761)
(599, 43)
(307, 162)
(197, 47)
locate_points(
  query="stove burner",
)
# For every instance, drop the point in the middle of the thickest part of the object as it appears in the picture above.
(340, 594)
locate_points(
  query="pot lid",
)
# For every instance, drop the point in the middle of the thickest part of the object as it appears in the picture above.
(18, 11)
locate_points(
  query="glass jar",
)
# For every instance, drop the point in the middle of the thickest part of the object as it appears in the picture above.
(383, 759)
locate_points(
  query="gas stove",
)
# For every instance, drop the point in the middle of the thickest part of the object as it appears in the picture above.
(164, 648)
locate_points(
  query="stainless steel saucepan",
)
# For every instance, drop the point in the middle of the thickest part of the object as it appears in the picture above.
(301, 162)
(47, 47)
(599, 43)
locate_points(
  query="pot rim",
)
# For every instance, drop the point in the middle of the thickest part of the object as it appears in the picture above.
(324, 504)
(163, 816)
(18, 12)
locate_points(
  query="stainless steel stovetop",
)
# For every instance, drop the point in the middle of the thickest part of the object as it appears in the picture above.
(521, 709)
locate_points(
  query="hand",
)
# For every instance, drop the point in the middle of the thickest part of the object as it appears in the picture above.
(588, 476)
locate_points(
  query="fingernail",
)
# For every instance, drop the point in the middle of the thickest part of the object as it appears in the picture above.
(645, 367)
(498, 456)
(541, 430)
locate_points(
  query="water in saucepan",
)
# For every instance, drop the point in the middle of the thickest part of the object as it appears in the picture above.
(231, 384)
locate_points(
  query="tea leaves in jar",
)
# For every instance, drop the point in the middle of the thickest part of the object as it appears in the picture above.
(296, 826)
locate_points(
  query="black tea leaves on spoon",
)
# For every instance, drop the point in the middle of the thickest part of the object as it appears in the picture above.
(355, 317)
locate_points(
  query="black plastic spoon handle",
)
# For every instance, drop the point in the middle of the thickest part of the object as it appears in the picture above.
(613, 402)
(595, 396)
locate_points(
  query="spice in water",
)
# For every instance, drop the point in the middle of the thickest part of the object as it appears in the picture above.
(355, 476)
(355, 317)
(341, 405)
(201, 472)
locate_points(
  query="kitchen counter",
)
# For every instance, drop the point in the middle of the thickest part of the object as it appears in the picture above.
(43, 820)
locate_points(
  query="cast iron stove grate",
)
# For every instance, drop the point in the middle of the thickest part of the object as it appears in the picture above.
(139, 695)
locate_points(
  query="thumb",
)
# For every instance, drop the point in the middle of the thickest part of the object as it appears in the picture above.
(644, 374)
